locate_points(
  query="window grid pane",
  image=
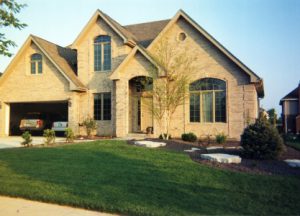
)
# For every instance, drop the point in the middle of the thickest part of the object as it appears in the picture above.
(97, 106)
(194, 108)
(97, 57)
(106, 106)
(40, 69)
(32, 67)
(220, 103)
(208, 84)
(207, 106)
(107, 57)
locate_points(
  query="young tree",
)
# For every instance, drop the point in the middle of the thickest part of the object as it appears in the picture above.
(8, 11)
(272, 116)
(170, 83)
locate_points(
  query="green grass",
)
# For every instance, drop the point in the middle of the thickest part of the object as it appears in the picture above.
(294, 144)
(115, 177)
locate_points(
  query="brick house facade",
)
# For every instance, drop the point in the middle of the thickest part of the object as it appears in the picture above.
(97, 76)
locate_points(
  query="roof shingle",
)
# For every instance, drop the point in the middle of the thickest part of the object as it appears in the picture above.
(145, 33)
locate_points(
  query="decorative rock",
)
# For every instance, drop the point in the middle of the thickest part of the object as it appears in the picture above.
(188, 150)
(214, 148)
(222, 158)
(150, 144)
(293, 162)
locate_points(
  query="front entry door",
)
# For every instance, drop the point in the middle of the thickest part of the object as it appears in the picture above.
(136, 114)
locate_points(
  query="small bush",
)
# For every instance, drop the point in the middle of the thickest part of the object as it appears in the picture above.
(69, 135)
(190, 137)
(49, 136)
(90, 125)
(27, 139)
(221, 138)
(261, 141)
(161, 136)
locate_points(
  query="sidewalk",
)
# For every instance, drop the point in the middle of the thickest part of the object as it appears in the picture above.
(21, 207)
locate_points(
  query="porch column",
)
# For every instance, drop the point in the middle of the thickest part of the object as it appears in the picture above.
(121, 101)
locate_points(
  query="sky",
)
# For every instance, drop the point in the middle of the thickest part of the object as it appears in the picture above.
(263, 34)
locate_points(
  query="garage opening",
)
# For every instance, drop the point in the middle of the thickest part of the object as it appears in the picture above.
(49, 112)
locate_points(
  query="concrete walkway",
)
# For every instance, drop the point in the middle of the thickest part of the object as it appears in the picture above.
(21, 207)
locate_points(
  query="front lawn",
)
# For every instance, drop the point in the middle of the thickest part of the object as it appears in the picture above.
(115, 177)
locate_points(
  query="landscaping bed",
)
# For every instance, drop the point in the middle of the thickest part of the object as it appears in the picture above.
(266, 167)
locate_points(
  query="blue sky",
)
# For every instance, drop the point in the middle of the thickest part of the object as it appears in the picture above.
(264, 34)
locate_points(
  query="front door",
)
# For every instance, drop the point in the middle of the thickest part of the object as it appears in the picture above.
(136, 114)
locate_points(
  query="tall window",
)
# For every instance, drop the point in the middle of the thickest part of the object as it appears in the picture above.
(102, 53)
(36, 64)
(102, 106)
(208, 100)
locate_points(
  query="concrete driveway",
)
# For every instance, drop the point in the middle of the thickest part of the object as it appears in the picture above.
(15, 141)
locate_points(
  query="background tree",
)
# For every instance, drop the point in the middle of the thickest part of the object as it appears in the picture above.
(170, 83)
(8, 11)
(272, 116)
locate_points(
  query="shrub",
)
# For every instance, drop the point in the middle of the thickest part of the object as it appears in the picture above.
(90, 125)
(161, 136)
(221, 138)
(190, 137)
(27, 139)
(69, 135)
(261, 141)
(49, 136)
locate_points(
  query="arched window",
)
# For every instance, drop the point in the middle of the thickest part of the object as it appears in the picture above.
(208, 100)
(102, 53)
(36, 63)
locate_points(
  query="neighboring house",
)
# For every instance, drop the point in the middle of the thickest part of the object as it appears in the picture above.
(100, 73)
(291, 111)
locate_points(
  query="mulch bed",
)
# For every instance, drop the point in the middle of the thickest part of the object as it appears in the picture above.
(265, 167)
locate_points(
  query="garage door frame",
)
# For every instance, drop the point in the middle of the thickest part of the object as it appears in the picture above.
(8, 111)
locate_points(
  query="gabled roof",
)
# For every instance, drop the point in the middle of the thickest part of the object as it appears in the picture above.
(127, 36)
(254, 78)
(293, 95)
(64, 59)
(145, 33)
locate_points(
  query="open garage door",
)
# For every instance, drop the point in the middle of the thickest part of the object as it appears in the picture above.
(51, 111)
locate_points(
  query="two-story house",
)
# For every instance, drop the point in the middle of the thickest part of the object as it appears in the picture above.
(291, 111)
(99, 76)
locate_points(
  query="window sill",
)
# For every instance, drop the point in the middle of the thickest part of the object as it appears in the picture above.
(35, 74)
(207, 123)
(103, 71)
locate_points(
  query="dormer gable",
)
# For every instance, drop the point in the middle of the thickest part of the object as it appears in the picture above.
(127, 37)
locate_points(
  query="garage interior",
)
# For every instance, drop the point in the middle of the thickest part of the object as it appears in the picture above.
(55, 111)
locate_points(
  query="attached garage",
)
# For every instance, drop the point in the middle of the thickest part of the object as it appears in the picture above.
(51, 111)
